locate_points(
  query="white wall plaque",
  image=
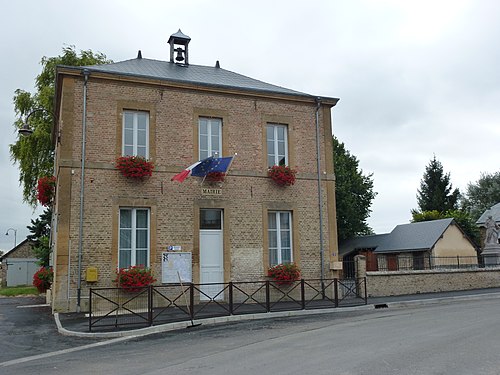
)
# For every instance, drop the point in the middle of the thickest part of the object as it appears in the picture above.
(176, 262)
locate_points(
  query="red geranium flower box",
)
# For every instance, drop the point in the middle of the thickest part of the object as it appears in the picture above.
(282, 175)
(135, 167)
(215, 177)
(134, 278)
(42, 279)
(45, 190)
(284, 274)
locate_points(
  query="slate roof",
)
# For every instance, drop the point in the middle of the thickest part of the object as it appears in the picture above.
(493, 212)
(410, 237)
(361, 243)
(414, 236)
(189, 74)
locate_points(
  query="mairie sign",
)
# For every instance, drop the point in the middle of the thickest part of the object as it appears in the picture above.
(211, 191)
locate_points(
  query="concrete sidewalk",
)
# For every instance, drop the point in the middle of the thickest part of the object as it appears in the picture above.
(74, 324)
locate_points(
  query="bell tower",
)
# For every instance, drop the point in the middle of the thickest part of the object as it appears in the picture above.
(179, 44)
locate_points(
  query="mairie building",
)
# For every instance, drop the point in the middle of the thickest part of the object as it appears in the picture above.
(174, 113)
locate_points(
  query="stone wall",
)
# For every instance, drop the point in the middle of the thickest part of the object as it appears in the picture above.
(394, 283)
(414, 282)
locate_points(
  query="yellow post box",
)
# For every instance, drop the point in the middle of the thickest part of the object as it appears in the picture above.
(91, 274)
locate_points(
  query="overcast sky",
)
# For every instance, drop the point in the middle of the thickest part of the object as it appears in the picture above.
(414, 78)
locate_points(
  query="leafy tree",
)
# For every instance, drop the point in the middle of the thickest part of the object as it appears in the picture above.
(482, 194)
(40, 232)
(34, 154)
(436, 192)
(426, 215)
(354, 194)
(462, 218)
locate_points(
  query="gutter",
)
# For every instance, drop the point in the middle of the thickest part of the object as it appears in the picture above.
(86, 74)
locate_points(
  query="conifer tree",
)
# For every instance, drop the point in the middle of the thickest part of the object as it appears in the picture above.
(40, 232)
(436, 191)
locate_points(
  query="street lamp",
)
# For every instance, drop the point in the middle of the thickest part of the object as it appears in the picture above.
(15, 235)
(26, 130)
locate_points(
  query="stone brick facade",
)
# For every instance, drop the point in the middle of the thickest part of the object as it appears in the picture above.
(247, 194)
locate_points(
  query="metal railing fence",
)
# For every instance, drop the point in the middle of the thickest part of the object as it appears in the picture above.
(428, 262)
(114, 308)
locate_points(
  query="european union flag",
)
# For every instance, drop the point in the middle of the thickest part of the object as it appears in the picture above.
(210, 165)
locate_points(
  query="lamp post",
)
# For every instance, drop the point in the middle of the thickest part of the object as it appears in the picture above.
(26, 130)
(15, 235)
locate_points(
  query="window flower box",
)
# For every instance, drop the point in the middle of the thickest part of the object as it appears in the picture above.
(45, 190)
(282, 175)
(42, 279)
(284, 274)
(134, 278)
(135, 167)
(215, 177)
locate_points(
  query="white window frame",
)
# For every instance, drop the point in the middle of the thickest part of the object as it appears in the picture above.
(135, 131)
(133, 249)
(211, 150)
(274, 151)
(278, 230)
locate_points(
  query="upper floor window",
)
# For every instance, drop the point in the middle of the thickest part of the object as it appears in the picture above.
(210, 137)
(135, 134)
(134, 237)
(277, 144)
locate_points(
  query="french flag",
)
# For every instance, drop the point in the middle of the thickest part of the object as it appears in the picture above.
(204, 167)
(186, 172)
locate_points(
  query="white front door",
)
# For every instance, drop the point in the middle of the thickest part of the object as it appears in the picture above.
(211, 254)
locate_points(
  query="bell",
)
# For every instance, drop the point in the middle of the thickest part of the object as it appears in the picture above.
(179, 56)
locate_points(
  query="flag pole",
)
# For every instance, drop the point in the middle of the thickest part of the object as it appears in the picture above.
(231, 163)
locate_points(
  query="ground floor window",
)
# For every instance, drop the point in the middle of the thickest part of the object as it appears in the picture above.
(280, 237)
(134, 237)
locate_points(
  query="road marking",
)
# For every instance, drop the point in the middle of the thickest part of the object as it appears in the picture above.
(64, 351)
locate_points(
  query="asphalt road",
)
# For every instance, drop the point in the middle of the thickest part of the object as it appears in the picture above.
(449, 338)
(27, 328)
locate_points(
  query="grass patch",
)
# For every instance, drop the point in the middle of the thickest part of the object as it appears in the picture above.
(13, 291)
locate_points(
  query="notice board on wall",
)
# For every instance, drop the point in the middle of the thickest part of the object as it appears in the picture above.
(175, 264)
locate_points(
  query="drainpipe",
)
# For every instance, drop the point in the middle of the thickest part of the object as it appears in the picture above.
(86, 74)
(320, 197)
